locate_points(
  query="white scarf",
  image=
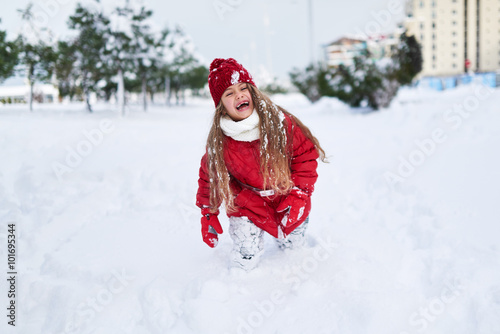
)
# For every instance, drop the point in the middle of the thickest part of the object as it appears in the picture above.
(244, 130)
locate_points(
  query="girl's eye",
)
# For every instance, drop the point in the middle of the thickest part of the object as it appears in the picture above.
(229, 94)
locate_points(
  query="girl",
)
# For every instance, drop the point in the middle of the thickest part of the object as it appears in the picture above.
(260, 161)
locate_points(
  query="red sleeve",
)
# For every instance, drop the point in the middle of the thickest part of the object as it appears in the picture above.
(203, 194)
(304, 161)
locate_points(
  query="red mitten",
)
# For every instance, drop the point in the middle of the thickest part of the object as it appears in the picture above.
(210, 227)
(296, 203)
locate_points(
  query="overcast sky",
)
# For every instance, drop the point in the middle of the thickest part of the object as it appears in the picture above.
(271, 35)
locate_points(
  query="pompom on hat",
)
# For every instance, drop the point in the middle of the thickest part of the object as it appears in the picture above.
(225, 73)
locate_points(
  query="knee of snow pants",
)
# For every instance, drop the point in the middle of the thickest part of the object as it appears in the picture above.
(295, 239)
(248, 242)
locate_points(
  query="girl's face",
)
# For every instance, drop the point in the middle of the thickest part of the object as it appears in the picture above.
(237, 101)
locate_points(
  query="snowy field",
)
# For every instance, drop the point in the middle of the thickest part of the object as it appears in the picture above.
(403, 234)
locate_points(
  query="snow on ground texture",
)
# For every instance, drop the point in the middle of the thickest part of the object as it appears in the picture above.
(403, 234)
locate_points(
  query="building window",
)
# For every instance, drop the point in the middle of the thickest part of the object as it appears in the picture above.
(454, 65)
(454, 55)
(422, 37)
(433, 25)
(454, 23)
(454, 33)
(433, 3)
(454, 12)
(421, 26)
(454, 44)
(421, 4)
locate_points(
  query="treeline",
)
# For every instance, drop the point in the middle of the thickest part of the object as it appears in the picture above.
(367, 82)
(108, 54)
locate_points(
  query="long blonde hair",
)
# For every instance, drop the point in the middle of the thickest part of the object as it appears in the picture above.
(275, 150)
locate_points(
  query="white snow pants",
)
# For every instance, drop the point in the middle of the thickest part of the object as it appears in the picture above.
(248, 241)
(296, 239)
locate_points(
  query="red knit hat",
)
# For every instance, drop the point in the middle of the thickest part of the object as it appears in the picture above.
(225, 73)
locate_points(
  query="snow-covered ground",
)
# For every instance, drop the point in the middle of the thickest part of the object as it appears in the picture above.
(403, 235)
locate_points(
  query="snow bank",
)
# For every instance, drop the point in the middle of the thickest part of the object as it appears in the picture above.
(402, 235)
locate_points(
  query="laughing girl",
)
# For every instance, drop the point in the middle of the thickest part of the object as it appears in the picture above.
(260, 162)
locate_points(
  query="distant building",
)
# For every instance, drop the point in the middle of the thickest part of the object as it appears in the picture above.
(343, 51)
(457, 36)
(15, 91)
(383, 45)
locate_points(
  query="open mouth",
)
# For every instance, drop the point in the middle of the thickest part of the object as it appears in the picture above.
(242, 105)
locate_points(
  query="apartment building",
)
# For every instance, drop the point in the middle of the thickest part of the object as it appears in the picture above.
(457, 36)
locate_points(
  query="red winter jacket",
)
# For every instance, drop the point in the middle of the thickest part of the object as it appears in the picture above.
(243, 163)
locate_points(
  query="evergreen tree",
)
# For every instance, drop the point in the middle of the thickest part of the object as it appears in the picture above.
(196, 78)
(90, 48)
(65, 69)
(359, 82)
(37, 55)
(308, 81)
(119, 61)
(38, 60)
(8, 56)
(407, 59)
(179, 72)
(181, 69)
(146, 49)
(364, 83)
